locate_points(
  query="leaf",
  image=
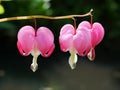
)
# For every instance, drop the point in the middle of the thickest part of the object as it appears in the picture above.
(2, 10)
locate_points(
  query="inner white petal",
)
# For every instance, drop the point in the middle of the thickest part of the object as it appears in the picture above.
(35, 53)
(34, 65)
(73, 60)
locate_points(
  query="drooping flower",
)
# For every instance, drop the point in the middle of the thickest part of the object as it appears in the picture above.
(81, 41)
(75, 41)
(35, 43)
(97, 34)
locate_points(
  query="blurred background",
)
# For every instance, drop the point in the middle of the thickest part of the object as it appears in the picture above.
(54, 73)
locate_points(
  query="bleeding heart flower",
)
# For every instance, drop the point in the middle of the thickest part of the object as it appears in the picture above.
(97, 34)
(35, 43)
(75, 41)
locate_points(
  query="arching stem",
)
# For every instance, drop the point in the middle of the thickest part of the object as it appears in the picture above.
(45, 17)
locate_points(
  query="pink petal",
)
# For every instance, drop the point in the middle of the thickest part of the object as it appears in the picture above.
(82, 41)
(45, 41)
(25, 40)
(97, 34)
(97, 31)
(67, 29)
(47, 54)
(85, 24)
(66, 37)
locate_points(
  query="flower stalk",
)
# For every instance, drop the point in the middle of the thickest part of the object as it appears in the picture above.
(45, 17)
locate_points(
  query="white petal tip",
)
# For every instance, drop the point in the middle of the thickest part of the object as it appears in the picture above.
(34, 67)
(91, 54)
(90, 58)
(73, 66)
(73, 61)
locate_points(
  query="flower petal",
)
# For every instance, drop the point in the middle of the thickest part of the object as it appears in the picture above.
(25, 40)
(47, 54)
(97, 34)
(97, 31)
(66, 37)
(67, 29)
(45, 41)
(73, 60)
(85, 24)
(82, 41)
(34, 65)
(91, 54)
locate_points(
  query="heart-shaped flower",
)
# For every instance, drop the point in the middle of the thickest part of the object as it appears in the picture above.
(35, 43)
(97, 34)
(75, 41)
(81, 41)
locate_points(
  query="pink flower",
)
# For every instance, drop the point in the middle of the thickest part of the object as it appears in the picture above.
(75, 41)
(81, 41)
(97, 34)
(35, 43)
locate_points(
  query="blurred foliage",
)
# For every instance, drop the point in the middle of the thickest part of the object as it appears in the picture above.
(27, 7)
(7, 29)
(2, 10)
(21, 8)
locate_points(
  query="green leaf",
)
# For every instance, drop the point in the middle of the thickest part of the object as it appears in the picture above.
(2, 10)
